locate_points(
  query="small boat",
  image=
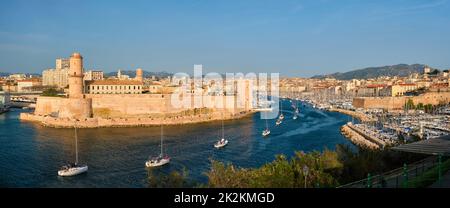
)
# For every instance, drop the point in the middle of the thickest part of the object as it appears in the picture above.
(266, 132)
(295, 117)
(281, 116)
(73, 169)
(278, 122)
(157, 161)
(296, 111)
(161, 159)
(221, 143)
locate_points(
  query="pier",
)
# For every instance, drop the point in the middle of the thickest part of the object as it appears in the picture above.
(357, 139)
(361, 116)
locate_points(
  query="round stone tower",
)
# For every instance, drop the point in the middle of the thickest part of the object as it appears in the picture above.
(76, 76)
(139, 75)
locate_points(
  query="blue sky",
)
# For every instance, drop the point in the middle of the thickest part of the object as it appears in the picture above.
(296, 38)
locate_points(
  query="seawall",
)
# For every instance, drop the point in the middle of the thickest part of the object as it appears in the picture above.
(361, 116)
(128, 122)
(357, 139)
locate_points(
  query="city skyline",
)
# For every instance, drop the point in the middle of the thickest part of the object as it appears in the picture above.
(299, 38)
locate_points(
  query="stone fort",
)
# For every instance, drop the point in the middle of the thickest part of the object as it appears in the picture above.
(79, 105)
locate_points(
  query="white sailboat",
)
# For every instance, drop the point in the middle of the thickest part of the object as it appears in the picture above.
(161, 159)
(266, 132)
(73, 169)
(222, 141)
(278, 122)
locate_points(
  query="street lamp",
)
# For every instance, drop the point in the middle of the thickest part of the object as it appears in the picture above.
(305, 172)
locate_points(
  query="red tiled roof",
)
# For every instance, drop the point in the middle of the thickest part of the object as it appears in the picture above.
(376, 85)
(439, 85)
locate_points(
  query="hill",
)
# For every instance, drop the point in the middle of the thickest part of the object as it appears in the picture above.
(5, 74)
(400, 70)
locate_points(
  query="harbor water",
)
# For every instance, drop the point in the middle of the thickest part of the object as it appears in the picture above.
(30, 154)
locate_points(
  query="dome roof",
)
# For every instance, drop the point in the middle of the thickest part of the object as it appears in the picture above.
(76, 55)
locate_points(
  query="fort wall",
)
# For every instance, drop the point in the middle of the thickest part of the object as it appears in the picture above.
(398, 103)
(99, 122)
(64, 107)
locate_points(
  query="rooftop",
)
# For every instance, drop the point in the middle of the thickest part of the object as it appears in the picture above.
(114, 82)
(435, 146)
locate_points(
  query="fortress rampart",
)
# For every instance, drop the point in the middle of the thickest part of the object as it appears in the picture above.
(398, 103)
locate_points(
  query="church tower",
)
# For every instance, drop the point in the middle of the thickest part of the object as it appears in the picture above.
(76, 76)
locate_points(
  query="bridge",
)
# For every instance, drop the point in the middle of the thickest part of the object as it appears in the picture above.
(20, 99)
(21, 93)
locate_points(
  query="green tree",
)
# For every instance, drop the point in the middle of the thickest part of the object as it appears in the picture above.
(175, 179)
(409, 104)
(420, 106)
(280, 173)
(428, 108)
(51, 92)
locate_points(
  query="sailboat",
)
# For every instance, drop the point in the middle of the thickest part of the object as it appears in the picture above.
(278, 122)
(73, 168)
(222, 141)
(266, 131)
(161, 159)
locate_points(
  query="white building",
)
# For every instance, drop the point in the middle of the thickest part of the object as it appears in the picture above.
(62, 63)
(121, 76)
(4, 100)
(59, 76)
(93, 75)
(55, 77)
(26, 85)
(17, 76)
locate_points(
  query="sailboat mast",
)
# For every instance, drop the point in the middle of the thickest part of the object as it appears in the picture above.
(223, 129)
(76, 145)
(267, 125)
(162, 130)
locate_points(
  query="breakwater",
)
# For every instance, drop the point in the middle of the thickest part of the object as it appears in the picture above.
(55, 122)
(357, 138)
(361, 116)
